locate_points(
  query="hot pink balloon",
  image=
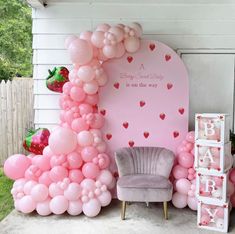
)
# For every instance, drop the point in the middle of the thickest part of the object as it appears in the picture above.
(180, 172)
(59, 204)
(79, 125)
(58, 173)
(16, 165)
(73, 192)
(39, 192)
(179, 200)
(91, 208)
(90, 170)
(77, 94)
(43, 208)
(186, 159)
(80, 51)
(27, 204)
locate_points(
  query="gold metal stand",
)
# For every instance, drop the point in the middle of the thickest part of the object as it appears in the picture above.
(165, 208)
(123, 211)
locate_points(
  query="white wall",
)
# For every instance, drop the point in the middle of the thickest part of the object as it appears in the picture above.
(205, 24)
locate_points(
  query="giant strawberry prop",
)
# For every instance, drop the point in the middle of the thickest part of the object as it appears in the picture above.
(57, 78)
(36, 140)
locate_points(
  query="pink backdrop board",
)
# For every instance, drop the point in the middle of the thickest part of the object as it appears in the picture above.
(145, 101)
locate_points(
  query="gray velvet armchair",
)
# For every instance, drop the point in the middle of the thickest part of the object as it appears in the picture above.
(144, 176)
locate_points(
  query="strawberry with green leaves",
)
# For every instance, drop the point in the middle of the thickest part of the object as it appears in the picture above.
(57, 78)
(36, 140)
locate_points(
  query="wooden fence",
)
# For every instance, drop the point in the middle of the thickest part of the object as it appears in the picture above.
(16, 115)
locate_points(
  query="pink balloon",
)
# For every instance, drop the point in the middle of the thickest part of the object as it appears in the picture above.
(45, 178)
(105, 198)
(39, 192)
(183, 186)
(179, 200)
(186, 159)
(191, 137)
(55, 190)
(91, 208)
(103, 27)
(232, 200)
(85, 138)
(79, 125)
(86, 73)
(86, 35)
(92, 99)
(102, 79)
(69, 39)
(58, 173)
(120, 50)
(32, 173)
(72, 76)
(97, 122)
(232, 176)
(67, 87)
(68, 116)
(73, 192)
(77, 94)
(80, 51)
(180, 172)
(137, 28)
(47, 151)
(43, 162)
(27, 204)
(97, 39)
(59, 204)
(43, 208)
(62, 141)
(117, 32)
(132, 44)
(110, 51)
(101, 55)
(88, 184)
(181, 148)
(192, 203)
(29, 186)
(74, 160)
(101, 147)
(16, 165)
(106, 161)
(90, 170)
(75, 207)
(85, 109)
(88, 153)
(76, 176)
(91, 87)
(105, 177)
(231, 188)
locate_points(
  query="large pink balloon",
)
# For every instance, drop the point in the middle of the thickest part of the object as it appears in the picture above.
(73, 192)
(39, 192)
(183, 186)
(80, 51)
(90, 170)
(179, 200)
(58, 173)
(91, 208)
(16, 165)
(88, 153)
(43, 208)
(180, 172)
(186, 159)
(62, 141)
(27, 204)
(59, 204)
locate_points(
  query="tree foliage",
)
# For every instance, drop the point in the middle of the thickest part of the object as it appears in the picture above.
(15, 39)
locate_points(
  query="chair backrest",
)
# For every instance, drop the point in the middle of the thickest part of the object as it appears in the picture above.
(144, 160)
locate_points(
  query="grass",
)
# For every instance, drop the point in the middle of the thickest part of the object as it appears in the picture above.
(6, 202)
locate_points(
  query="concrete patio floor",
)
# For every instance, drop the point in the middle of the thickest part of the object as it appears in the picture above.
(140, 220)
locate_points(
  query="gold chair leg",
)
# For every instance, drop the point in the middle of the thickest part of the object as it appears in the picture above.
(123, 211)
(165, 208)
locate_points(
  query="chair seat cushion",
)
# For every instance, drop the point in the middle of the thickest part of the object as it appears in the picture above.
(142, 187)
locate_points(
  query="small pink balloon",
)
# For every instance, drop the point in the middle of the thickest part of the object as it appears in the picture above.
(105, 198)
(91, 87)
(86, 35)
(86, 73)
(98, 121)
(77, 94)
(45, 178)
(59, 204)
(137, 28)
(75, 207)
(67, 87)
(183, 186)
(117, 32)
(179, 200)
(39, 192)
(72, 76)
(103, 27)
(88, 153)
(16, 165)
(85, 109)
(91, 208)
(232, 200)
(92, 99)
(79, 125)
(55, 190)
(97, 39)
(190, 137)
(101, 147)
(85, 138)
(76, 176)
(132, 44)
(47, 151)
(181, 149)
(106, 161)
(69, 39)
(28, 186)
(73, 192)
(102, 79)
(90, 170)
(180, 172)
(110, 51)
(192, 203)
(58, 173)
(43, 208)
(231, 188)
(186, 159)
(120, 50)
(74, 160)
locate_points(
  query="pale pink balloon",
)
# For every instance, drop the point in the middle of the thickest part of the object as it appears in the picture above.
(132, 44)
(73, 192)
(68, 40)
(69, 116)
(72, 75)
(39, 192)
(74, 160)
(88, 153)
(101, 55)
(102, 79)
(59, 204)
(190, 137)
(86, 35)
(90, 170)
(105, 177)
(105, 198)
(16, 165)
(47, 151)
(32, 173)
(231, 188)
(101, 147)
(186, 159)
(192, 203)
(110, 51)
(67, 87)
(92, 99)
(181, 148)
(43, 208)
(137, 28)
(85, 109)
(120, 50)
(117, 32)
(88, 185)
(91, 87)
(28, 186)
(86, 73)
(97, 39)
(75, 207)
(179, 172)
(85, 138)
(43, 162)
(19, 182)
(232, 176)
(58, 173)
(45, 178)
(97, 122)
(179, 200)
(27, 204)
(77, 94)
(106, 161)
(79, 125)
(55, 190)
(63, 141)
(76, 176)
(183, 186)
(91, 208)
(80, 51)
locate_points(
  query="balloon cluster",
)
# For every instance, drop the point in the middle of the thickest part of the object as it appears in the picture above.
(72, 173)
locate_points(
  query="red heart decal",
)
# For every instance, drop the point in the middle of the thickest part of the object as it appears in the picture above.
(129, 59)
(146, 134)
(181, 110)
(131, 143)
(102, 112)
(169, 86)
(167, 57)
(162, 116)
(175, 134)
(116, 85)
(142, 103)
(125, 124)
(108, 136)
(152, 47)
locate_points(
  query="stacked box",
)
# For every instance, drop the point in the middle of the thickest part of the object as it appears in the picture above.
(213, 161)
